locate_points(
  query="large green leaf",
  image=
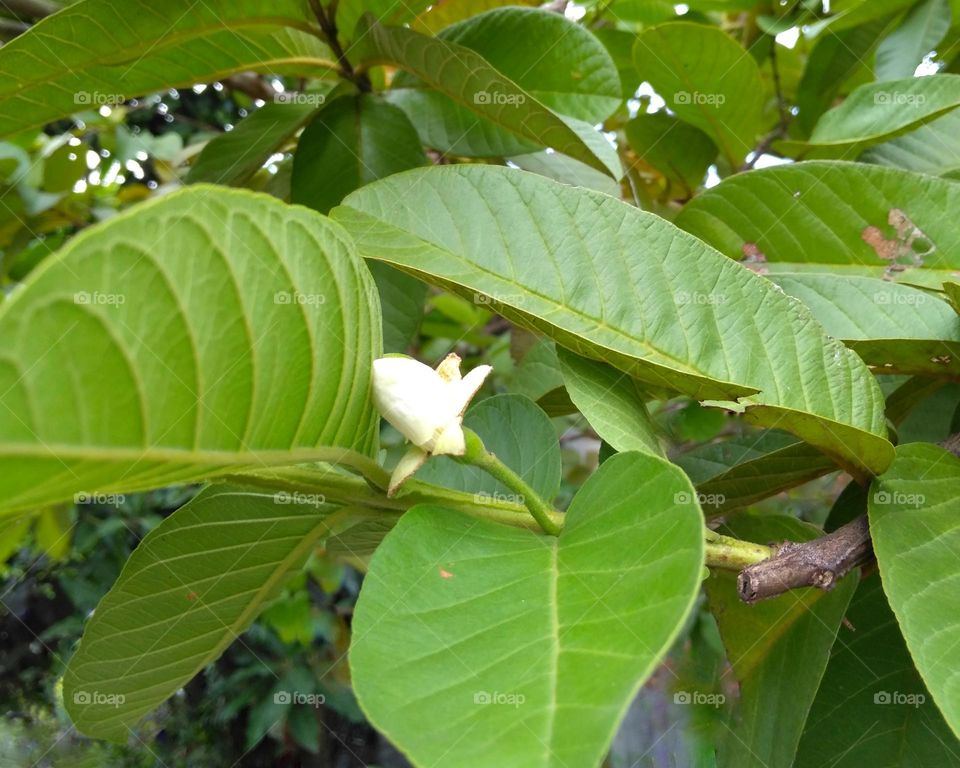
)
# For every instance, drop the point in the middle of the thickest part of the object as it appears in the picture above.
(913, 523)
(876, 112)
(520, 435)
(611, 282)
(612, 402)
(933, 148)
(351, 142)
(462, 75)
(846, 218)
(871, 708)
(205, 331)
(742, 470)
(778, 650)
(900, 52)
(191, 588)
(707, 79)
(894, 327)
(531, 646)
(235, 156)
(97, 52)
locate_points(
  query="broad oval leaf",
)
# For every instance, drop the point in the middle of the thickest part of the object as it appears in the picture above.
(707, 79)
(107, 52)
(611, 282)
(191, 588)
(533, 645)
(933, 148)
(207, 330)
(913, 523)
(465, 77)
(845, 218)
(900, 53)
(561, 65)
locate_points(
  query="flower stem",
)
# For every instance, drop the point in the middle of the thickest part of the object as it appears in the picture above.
(732, 554)
(477, 455)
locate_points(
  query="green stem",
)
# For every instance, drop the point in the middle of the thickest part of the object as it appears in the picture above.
(477, 455)
(732, 554)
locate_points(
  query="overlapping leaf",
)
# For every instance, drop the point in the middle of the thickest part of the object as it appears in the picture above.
(845, 218)
(207, 330)
(608, 281)
(142, 47)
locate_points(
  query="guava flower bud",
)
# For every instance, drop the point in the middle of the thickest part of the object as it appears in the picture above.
(425, 405)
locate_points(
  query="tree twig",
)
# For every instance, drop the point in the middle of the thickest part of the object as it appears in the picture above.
(328, 25)
(781, 130)
(818, 563)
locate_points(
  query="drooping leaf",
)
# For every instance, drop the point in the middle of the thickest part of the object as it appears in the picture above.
(461, 75)
(707, 80)
(877, 112)
(608, 281)
(612, 402)
(141, 48)
(235, 156)
(520, 435)
(351, 142)
(894, 327)
(843, 218)
(900, 52)
(209, 329)
(913, 523)
(778, 651)
(190, 589)
(872, 707)
(533, 645)
(745, 469)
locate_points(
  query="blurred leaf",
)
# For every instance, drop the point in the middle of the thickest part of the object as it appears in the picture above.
(401, 303)
(901, 51)
(53, 530)
(351, 142)
(679, 151)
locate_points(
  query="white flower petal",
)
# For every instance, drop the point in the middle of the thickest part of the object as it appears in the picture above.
(449, 369)
(466, 388)
(450, 440)
(412, 461)
(412, 397)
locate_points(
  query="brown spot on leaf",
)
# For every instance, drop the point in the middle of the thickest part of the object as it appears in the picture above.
(445, 574)
(752, 252)
(908, 246)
